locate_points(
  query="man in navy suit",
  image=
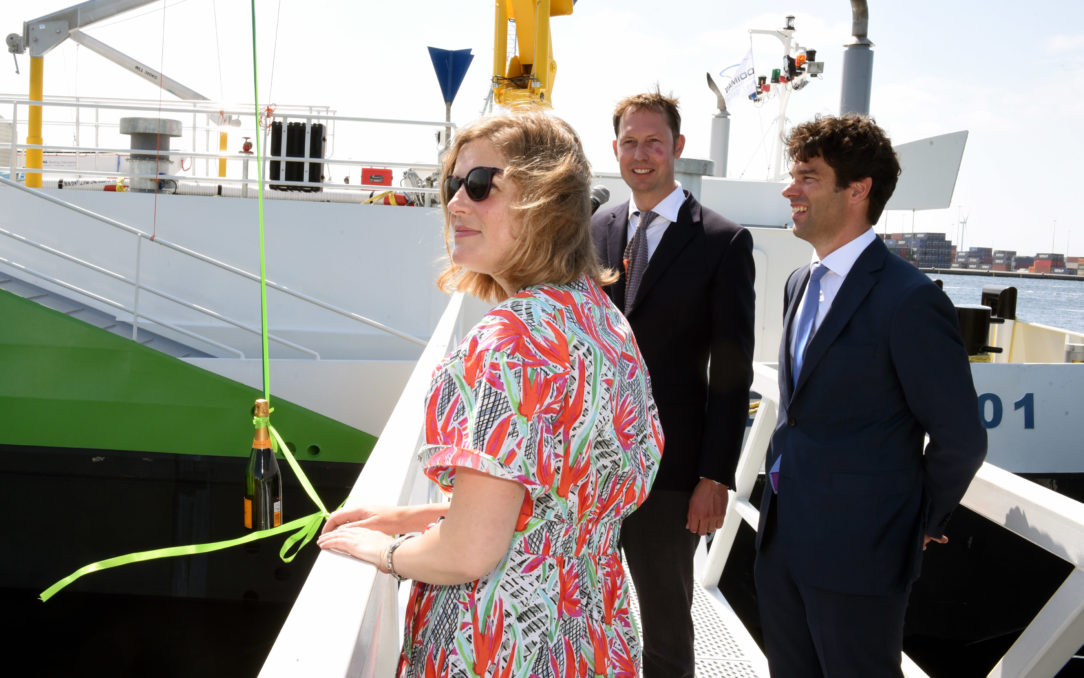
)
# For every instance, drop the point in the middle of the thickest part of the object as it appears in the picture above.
(870, 364)
(692, 314)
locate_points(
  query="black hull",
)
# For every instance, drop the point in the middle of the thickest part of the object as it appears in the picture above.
(210, 615)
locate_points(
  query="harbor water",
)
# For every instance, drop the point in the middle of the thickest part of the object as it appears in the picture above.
(1040, 301)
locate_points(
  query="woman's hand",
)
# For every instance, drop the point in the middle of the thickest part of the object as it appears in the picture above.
(359, 542)
(386, 519)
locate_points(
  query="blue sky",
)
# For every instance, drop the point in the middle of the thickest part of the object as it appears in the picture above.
(1013, 77)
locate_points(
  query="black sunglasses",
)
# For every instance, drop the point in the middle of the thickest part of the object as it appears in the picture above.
(478, 182)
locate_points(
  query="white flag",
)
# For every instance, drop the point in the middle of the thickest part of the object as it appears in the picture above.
(742, 83)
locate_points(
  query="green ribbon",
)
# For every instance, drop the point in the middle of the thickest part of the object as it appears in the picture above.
(304, 529)
(301, 477)
(266, 357)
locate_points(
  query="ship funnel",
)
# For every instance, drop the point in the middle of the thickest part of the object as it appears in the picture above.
(857, 64)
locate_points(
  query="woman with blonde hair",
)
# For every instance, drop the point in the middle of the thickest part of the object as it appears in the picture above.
(540, 425)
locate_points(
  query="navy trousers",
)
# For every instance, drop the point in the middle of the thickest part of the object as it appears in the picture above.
(815, 633)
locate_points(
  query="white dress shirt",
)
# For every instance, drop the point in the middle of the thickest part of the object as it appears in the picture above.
(667, 211)
(839, 264)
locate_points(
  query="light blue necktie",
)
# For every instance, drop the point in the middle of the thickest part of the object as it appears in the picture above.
(802, 332)
(804, 329)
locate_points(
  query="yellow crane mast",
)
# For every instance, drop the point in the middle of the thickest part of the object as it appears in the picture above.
(528, 75)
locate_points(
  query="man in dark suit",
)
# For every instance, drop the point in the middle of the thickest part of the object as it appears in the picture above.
(871, 363)
(692, 314)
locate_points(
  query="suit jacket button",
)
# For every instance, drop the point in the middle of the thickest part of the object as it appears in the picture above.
(791, 422)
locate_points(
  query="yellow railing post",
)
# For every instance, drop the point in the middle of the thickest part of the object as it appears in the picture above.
(33, 155)
(222, 147)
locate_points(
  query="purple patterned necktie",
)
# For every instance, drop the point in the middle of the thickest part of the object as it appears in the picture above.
(636, 258)
(803, 331)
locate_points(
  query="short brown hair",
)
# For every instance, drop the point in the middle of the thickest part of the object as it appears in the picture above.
(547, 165)
(855, 148)
(651, 101)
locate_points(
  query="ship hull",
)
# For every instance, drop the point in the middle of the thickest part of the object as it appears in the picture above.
(214, 614)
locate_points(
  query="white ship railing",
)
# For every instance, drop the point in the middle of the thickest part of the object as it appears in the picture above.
(346, 620)
(102, 155)
(1045, 518)
(137, 286)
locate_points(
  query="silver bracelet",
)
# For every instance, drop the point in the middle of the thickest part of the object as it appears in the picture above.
(389, 563)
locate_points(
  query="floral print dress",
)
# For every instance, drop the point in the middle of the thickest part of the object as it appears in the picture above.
(548, 390)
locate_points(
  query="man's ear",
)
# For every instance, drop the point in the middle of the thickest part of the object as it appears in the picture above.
(615, 148)
(679, 145)
(859, 190)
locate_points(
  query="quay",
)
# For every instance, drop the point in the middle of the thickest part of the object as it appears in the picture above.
(1000, 274)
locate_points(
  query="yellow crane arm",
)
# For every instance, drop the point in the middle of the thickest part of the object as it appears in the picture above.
(528, 74)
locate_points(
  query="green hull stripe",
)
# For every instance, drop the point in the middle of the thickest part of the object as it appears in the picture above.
(65, 383)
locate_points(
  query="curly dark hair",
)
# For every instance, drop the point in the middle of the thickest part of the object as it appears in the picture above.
(855, 148)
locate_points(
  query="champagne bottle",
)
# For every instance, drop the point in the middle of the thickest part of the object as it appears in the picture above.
(263, 481)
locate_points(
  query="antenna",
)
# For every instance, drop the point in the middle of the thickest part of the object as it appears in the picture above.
(798, 66)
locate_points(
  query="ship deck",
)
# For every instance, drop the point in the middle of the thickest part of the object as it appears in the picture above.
(723, 646)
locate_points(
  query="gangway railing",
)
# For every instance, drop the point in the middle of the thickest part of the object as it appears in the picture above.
(1045, 518)
(346, 620)
(106, 301)
(142, 236)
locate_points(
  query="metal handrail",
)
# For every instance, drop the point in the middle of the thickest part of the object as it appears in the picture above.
(158, 293)
(357, 607)
(282, 113)
(207, 155)
(213, 109)
(196, 109)
(115, 304)
(210, 260)
(251, 181)
(1045, 518)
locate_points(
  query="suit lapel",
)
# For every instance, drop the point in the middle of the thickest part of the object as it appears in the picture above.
(797, 285)
(860, 280)
(615, 250)
(677, 236)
